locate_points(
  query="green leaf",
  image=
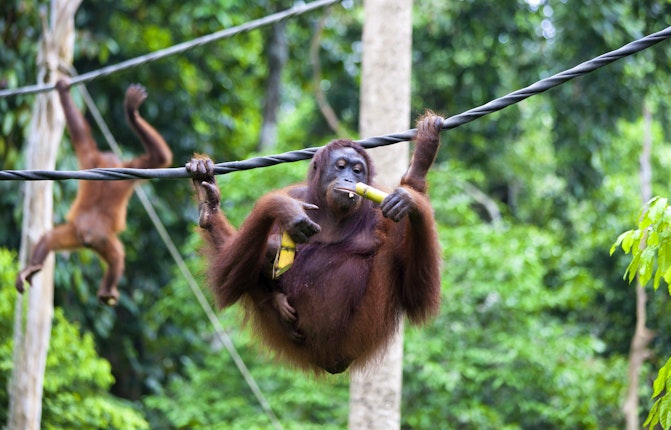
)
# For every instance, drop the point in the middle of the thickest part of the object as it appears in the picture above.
(663, 254)
(667, 277)
(662, 262)
(653, 416)
(628, 241)
(660, 381)
(656, 210)
(619, 240)
(665, 411)
(632, 269)
(646, 265)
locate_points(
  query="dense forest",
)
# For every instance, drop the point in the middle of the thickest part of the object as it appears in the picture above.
(536, 319)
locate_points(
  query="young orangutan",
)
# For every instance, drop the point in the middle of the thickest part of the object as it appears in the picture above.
(98, 213)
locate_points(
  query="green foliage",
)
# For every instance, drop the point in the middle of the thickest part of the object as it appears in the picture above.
(650, 249)
(76, 382)
(660, 413)
(19, 34)
(7, 303)
(500, 354)
(649, 243)
(215, 396)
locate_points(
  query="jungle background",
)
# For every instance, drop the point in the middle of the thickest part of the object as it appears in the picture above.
(536, 319)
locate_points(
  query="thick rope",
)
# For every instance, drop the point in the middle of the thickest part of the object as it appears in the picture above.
(219, 330)
(451, 122)
(176, 49)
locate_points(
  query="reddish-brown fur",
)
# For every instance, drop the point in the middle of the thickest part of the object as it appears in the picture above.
(356, 273)
(99, 210)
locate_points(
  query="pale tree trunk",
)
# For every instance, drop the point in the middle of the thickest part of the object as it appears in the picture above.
(323, 103)
(638, 351)
(278, 51)
(375, 394)
(32, 332)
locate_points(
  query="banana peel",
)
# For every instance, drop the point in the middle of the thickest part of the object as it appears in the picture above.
(285, 255)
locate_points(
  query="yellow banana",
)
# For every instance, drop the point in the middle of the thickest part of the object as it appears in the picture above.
(285, 255)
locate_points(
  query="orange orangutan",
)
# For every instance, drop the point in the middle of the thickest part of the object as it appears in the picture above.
(359, 266)
(99, 210)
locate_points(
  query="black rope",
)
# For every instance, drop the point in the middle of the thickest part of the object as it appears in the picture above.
(176, 49)
(541, 86)
(558, 79)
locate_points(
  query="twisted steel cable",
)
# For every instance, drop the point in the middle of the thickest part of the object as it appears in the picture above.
(176, 49)
(371, 142)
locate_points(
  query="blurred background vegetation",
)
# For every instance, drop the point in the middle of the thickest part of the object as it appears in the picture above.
(536, 319)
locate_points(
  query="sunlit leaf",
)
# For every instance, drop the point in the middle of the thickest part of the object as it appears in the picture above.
(653, 416)
(662, 264)
(619, 240)
(665, 411)
(633, 268)
(658, 278)
(645, 266)
(656, 210)
(660, 381)
(667, 276)
(627, 241)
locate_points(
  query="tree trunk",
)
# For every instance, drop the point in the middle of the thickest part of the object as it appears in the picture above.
(278, 52)
(638, 351)
(375, 394)
(31, 341)
(323, 103)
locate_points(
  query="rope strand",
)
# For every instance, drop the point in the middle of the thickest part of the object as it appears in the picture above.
(176, 49)
(558, 79)
(372, 142)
